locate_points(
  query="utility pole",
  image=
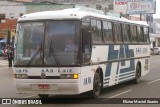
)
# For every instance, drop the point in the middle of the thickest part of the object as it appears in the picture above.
(8, 36)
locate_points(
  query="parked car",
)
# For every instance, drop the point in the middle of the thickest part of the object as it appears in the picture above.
(157, 50)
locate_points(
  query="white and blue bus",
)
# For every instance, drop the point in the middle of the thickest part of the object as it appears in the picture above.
(107, 51)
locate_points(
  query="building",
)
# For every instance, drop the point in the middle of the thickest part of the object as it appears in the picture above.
(11, 10)
(105, 5)
(9, 13)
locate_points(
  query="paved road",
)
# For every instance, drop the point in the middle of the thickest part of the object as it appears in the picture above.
(149, 87)
(3, 63)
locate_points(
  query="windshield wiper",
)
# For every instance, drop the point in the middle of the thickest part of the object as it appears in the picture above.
(51, 50)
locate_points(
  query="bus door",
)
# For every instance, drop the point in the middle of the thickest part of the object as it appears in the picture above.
(86, 43)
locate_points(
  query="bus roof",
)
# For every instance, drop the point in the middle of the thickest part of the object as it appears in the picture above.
(71, 14)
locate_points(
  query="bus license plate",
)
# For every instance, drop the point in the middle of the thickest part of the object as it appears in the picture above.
(43, 86)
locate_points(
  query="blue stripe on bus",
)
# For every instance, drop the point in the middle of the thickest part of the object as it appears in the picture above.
(112, 55)
(129, 53)
(126, 50)
(122, 55)
(108, 69)
(131, 68)
(127, 77)
(126, 74)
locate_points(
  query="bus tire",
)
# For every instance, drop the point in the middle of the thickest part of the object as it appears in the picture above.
(97, 84)
(138, 74)
(43, 95)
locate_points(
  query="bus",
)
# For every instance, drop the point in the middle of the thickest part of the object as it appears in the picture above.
(103, 51)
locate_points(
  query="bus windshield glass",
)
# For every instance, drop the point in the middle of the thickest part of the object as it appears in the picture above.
(47, 43)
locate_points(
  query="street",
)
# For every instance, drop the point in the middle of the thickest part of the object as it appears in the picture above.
(149, 87)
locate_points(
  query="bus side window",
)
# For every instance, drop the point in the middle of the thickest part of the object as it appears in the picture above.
(86, 42)
(107, 32)
(125, 32)
(117, 32)
(140, 34)
(133, 33)
(96, 31)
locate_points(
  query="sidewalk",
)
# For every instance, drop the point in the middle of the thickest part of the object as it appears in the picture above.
(3, 62)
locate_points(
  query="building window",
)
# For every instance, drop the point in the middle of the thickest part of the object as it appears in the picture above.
(110, 7)
(98, 7)
(2, 17)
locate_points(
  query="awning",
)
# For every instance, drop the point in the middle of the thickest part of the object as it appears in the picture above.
(4, 40)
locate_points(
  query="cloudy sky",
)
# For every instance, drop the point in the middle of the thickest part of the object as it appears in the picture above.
(157, 15)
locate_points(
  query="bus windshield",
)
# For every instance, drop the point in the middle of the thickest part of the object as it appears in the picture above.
(47, 43)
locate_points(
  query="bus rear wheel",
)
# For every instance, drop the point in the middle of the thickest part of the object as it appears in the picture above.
(43, 95)
(97, 84)
(138, 75)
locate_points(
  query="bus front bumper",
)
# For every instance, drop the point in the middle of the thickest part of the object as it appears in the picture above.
(65, 87)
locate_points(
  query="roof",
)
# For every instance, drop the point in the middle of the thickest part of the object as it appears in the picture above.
(74, 13)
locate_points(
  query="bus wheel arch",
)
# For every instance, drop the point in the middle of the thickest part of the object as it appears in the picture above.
(97, 83)
(138, 73)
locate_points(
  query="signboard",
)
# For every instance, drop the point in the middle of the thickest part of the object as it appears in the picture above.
(120, 6)
(141, 7)
(135, 6)
(120, 2)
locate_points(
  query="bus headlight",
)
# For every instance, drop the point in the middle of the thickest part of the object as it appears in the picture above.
(69, 76)
(20, 76)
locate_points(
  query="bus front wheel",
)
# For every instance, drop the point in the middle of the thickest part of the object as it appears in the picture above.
(97, 84)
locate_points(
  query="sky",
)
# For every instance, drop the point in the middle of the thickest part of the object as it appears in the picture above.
(157, 15)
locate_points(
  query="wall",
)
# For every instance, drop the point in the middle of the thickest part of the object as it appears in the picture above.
(12, 11)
